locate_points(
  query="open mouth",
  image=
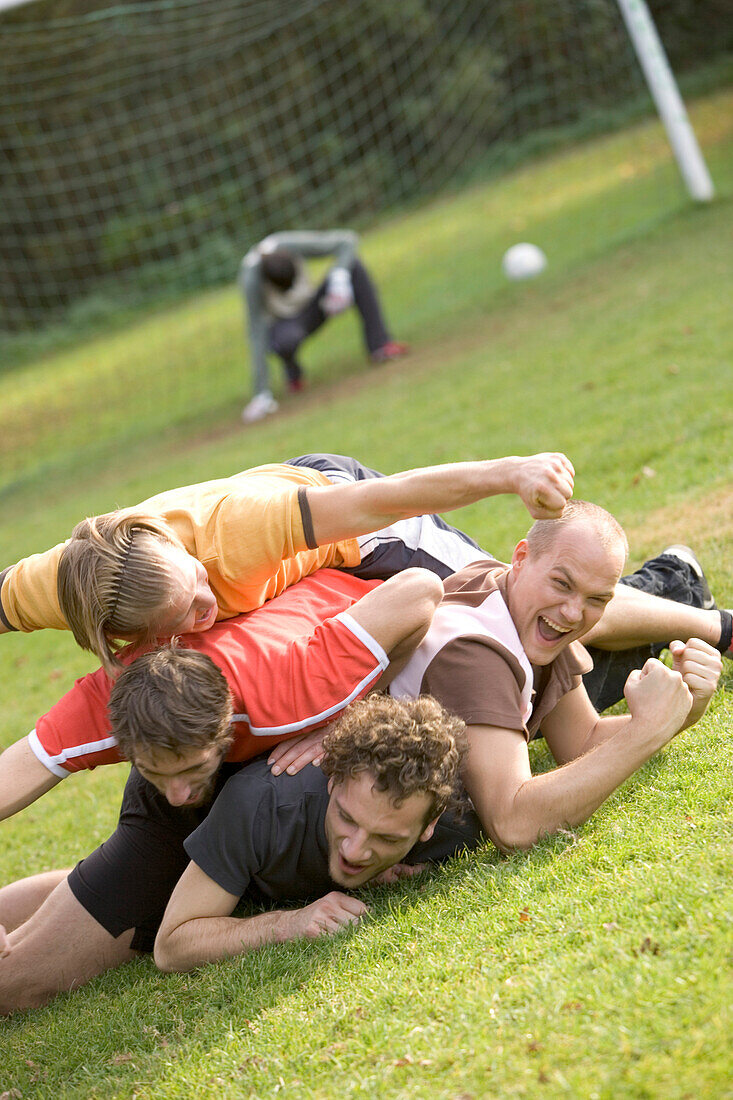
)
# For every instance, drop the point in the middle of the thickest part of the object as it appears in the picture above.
(549, 630)
(208, 619)
(350, 868)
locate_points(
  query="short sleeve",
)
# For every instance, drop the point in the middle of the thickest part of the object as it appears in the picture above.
(75, 733)
(28, 593)
(256, 527)
(480, 684)
(312, 678)
(231, 844)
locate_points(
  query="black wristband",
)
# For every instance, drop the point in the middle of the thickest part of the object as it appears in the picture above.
(305, 515)
(3, 616)
(726, 630)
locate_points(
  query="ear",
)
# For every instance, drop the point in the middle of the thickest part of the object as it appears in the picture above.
(520, 555)
(429, 829)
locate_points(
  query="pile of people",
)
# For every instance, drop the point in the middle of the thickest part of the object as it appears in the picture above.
(316, 613)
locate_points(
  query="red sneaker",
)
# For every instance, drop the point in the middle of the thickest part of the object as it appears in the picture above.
(392, 350)
(296, 385)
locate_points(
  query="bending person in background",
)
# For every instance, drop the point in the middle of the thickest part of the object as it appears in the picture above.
(284, 307)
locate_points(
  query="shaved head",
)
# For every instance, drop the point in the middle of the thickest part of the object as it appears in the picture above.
(610, 534)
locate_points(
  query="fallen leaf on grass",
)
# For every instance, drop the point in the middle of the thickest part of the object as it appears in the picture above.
(524, 915)
(648, 946)
(611, 926)
(120, 1059)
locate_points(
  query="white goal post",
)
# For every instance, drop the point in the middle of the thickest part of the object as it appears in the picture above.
(666, 95)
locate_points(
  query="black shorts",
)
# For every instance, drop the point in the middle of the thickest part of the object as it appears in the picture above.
(127, 881)
(425, 542)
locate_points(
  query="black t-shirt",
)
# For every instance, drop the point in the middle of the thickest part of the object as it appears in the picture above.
(265, 839)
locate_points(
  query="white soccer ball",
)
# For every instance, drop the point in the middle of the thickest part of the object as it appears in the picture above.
(523, 261)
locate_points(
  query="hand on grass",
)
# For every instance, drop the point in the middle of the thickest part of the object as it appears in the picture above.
(398, 871)
(326, 916)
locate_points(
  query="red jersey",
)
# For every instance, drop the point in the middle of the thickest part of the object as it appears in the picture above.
(292, 665)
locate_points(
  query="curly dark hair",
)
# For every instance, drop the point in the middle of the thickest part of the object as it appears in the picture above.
(410, 746)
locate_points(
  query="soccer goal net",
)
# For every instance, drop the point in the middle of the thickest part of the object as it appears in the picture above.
(147, 145)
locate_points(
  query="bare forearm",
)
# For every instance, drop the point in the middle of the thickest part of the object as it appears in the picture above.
(569, 795)
(208, 939)
(635, 618)
(23, 779)
(345, 511)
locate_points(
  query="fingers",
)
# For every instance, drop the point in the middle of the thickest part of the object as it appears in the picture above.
(333, 912)
(398, 871)
(699, 664)
(549, 482)
(293, 755)
(4, 943)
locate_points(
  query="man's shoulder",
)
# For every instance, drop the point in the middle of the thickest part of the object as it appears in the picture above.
(475, 582)
(254, 783)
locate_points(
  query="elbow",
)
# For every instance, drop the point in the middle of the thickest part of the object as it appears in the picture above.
(510, 835)
(165, 956)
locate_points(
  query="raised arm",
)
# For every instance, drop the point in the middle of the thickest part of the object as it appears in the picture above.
(516, 808)
(198, 927)
(23, 778)
(544, 482)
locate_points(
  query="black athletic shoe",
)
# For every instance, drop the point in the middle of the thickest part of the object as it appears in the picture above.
(688, 556)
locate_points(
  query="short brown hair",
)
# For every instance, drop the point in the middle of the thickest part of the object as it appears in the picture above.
(410, 746)
(543, 532)
(172, 699)
(114, 582)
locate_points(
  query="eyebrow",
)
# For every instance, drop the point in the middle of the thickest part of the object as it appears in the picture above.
(385, 836)
(171, 775)
(569, 577)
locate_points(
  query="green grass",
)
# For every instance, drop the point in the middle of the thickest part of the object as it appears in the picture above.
(594, 966)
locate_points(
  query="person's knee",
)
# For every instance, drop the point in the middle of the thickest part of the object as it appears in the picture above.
(285, 340)
(60, 948)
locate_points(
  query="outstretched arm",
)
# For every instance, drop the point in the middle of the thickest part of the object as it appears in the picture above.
(198, 926)
(23, 778)
(544, 482)
(516, 808)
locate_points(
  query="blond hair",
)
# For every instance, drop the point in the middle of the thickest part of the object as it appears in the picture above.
(115, 580)
(171, 699)
(409, 746)
(610, 533)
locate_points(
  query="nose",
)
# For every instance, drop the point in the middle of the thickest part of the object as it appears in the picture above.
(177, 792)
(355, 848)
(572, 609)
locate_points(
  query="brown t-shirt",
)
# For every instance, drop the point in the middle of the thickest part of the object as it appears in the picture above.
(472, 660)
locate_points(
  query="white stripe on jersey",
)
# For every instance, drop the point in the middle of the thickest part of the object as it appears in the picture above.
(422, 533)
(371, 644)
(54, 763)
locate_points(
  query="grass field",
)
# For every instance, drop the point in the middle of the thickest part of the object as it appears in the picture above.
(598, 965)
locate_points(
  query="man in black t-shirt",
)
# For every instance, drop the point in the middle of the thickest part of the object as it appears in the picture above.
(375, 812)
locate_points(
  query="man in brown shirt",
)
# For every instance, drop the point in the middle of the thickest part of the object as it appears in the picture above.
(503, 654)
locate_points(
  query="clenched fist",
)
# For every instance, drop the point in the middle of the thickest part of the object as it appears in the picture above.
(545, 484)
